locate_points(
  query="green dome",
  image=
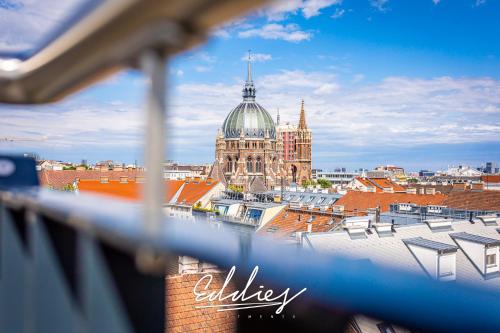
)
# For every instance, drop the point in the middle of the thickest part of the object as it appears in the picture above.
(249, 117)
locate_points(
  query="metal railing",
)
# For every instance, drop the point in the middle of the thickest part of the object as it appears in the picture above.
(85, 264)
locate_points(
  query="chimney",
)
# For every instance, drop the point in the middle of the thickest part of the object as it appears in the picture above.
(309, 227)
(421, 190)
(411, 191)
(196, 180)
(123, 180)
(104, 180)
(209, 180)
(431, 191)
(187, 179)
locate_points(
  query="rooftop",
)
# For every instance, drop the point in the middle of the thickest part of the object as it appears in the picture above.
(360, 202)
(383, 250)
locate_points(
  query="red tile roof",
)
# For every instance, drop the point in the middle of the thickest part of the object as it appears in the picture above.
(355, 201)
(193, 191)
(380, 183)
(181, 314)
(483, 200)
(491, 178)
(128, 191)
(57, 179)
(289, 221)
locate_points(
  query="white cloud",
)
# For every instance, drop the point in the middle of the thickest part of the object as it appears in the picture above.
(436, 1)
(203, 69)
(358, 78)
(480, 2)
(280, 10)
(339, 12)
(397, 111)
(326, 89)
(312, 7)
(379, 4)
(205, 57)
(288, 32)
(257, 57)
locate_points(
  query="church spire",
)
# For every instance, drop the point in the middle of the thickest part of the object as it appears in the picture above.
(249, 68)
(249, 89)
(278, 117)
(302, 121)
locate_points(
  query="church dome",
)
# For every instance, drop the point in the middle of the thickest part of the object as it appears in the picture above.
(249, 117)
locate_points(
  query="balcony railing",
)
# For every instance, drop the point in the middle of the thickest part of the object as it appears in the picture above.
(87, 263)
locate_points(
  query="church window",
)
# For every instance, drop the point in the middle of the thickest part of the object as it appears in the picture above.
(229, 166)
(249, 165)
(258, 165)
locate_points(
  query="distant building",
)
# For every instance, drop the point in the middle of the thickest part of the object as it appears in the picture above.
(174, 171)
(59, 179)
(375, 184)
(462, 171)
(338, 177)
(491, 182)
(426, 173)
(490, 167)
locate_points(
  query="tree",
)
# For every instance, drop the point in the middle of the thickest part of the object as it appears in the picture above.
(69, 188)
(308, 182)
(324, 183)
(235, 188)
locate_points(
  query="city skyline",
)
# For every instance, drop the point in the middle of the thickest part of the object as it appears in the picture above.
(376, 90)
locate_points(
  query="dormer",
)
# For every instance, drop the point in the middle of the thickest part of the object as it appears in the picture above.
(356, 226)
(488, 219)
(438, 260)
(482, 252)
(437, 225)
(383, 229)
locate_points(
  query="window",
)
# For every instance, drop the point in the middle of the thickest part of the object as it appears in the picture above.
(229, 167)
(249, 165)
(258, 165)
(491, 260)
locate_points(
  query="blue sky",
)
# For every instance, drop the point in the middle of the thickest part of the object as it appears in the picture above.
(413, 83)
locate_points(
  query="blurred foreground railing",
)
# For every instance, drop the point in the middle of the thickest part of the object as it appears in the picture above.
(86, 263)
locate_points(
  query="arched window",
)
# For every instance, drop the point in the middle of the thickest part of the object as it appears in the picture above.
(258, 165)
(249, 164)
(229, 165)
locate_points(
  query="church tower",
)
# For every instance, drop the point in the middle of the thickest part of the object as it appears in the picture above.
(303, 143)
(296, 152)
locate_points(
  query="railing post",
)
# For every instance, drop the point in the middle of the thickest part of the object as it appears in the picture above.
(153, 66)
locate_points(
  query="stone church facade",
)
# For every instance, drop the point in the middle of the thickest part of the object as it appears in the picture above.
(249, 147)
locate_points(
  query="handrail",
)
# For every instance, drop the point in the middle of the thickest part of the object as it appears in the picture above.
(111, 37)
(338, 283)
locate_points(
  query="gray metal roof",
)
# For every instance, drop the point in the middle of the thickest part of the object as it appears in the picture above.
(475, 238)
(251, 119)
(429, 244)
